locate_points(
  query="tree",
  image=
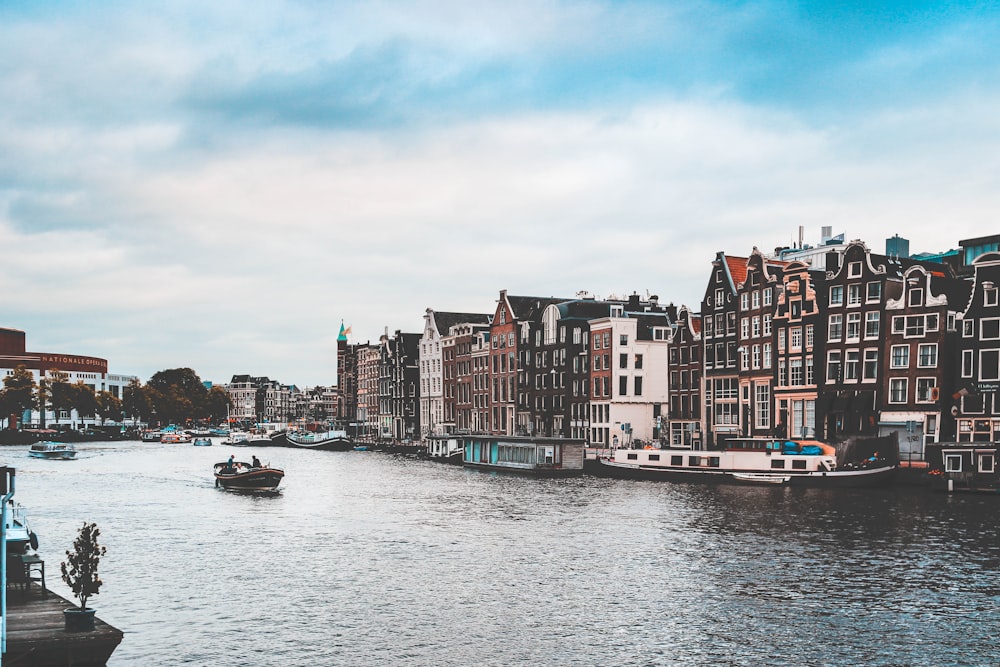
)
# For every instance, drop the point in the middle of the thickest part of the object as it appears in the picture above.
(178, 394)
(108, 405)
(79, 571)
(19, 392)
(57, 392)
(216, 406)
(136, 402)
(84, 400)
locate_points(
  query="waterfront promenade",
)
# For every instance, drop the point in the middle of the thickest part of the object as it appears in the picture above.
(370, 558)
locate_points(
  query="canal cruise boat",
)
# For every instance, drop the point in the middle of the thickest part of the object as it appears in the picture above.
(763, 461)
(538, 456)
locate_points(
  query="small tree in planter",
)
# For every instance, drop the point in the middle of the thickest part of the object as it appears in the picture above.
(80, 574)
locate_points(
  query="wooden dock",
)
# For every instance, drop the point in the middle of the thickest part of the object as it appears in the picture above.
(36, 633)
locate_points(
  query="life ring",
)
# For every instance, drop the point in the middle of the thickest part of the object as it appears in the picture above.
(33, 540)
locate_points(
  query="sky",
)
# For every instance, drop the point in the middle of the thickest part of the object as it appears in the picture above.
(220, 185)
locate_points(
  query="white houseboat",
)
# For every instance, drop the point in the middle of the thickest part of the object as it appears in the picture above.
(748, 461)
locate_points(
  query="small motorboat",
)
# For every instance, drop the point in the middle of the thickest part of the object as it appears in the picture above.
(20, 537)
(46, 449)
(242, 476)
(202, 442)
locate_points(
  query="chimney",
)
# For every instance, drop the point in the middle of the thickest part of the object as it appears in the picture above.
(633, 302)
(802, 232)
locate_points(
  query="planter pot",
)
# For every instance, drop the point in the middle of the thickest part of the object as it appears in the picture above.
(79, 620)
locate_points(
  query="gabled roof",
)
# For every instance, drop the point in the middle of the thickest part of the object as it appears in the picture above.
(529, 308)
(583, 309)
(737, 267)
(444, 320)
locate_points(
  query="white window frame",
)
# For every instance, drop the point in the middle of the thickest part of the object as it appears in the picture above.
(894, 383)
(929, 383)
(920, 348)
(893, 363)
(982, 366)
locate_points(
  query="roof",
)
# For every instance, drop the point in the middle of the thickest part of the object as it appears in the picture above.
(444, 320)
(737, 268)
(528, 308)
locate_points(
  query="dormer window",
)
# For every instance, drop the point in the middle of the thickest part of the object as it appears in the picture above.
(916, 298)
(854, 269)
(616, 311)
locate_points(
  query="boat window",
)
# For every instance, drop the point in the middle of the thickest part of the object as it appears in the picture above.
(798, 464)
(987, 463)
(654, 457)
(777, 463)
(632, 457)
(694, 460)
(953, 463)
(713, 461)
(677, 460)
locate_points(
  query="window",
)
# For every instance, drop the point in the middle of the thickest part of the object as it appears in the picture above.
(638, 361)
(989, 364)
(755, 300)
(795, 337)
(897, 390)
(837, 295)
(623, 339)
(767, 325)
(756, 356)
(763, 405)
(755, 327)
(708, 327)
(810, 377)
(853, 327)
(914, 326)
(989, 328)
(833, 366)
(810, 336)
(925, 390)
(854, 269)
(638, 386)
(781, 340)
(767, 297)
(915, 297)
(744, 301)
(851, 361)
(744, 358)
(836, 330)
(853, 295)
(782, 374)
(870, 370)
(927, 355)
(967, 363)
(623, 386)
(872, 324)
(766, 353)
(900, 356)
(796, 372)
(744, 328)
(607, 340)
(719, 298)
(968, 328)
(874, 291)
(990, 296)
(622, 361)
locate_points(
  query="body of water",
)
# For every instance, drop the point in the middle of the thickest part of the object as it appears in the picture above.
(370, 559)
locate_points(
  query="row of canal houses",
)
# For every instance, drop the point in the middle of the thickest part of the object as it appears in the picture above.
(827, 344)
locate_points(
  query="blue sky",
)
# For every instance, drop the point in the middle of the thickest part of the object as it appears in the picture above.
(218, 185)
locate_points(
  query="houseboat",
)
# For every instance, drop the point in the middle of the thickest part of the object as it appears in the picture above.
(334, 440)
(543, 457)
(444, 449)
(964, 467)
(748, 461)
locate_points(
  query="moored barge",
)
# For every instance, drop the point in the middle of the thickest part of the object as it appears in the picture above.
(539, 456)
(748, 461)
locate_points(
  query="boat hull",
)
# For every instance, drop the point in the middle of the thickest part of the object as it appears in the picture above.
(253, 479)
(339, 443)
(53, 456)
(869, 477)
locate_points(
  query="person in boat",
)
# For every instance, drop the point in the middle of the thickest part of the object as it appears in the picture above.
(256, 462)
(231, 464)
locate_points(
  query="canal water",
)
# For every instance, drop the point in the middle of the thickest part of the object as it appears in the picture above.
(371, 559)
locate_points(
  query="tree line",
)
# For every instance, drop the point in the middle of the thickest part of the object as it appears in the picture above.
(174, 396)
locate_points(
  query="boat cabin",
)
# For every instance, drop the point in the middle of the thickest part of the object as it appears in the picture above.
(536, 456)
(966, 467)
